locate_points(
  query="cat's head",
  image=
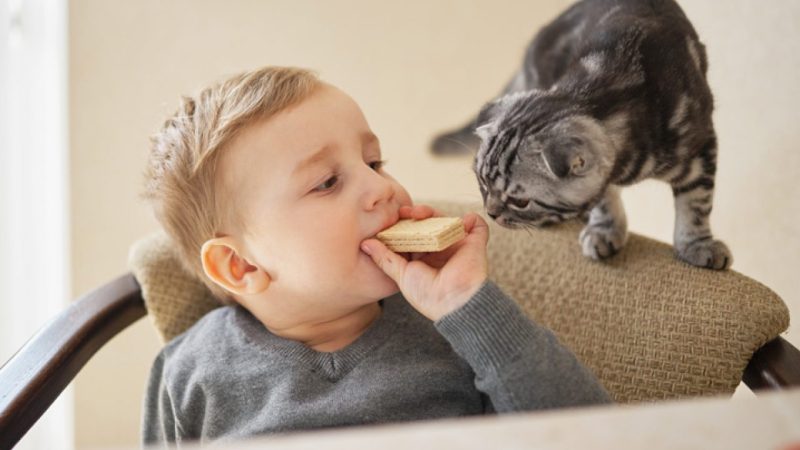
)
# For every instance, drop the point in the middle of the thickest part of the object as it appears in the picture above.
(541, 159)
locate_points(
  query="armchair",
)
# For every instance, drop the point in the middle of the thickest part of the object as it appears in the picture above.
(649, 326)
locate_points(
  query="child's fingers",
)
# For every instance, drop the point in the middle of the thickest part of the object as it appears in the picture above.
(471, 220)
(416, 212)
(390, 262)
(475, 225)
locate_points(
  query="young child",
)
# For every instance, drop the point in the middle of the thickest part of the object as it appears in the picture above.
(271, 185)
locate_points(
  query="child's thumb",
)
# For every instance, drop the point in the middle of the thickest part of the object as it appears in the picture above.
(479, 227)
(390, 262)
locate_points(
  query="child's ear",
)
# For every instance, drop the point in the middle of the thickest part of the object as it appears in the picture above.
(223, 264)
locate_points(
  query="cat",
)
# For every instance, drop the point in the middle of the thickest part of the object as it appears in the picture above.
(610, 93)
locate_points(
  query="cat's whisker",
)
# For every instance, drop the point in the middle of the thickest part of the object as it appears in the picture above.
(463, 145)
(528, 230)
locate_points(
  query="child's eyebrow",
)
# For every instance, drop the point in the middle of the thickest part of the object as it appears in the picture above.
(367, 137)
(319, 155)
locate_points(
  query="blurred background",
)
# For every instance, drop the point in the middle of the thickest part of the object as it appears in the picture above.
(84, 83)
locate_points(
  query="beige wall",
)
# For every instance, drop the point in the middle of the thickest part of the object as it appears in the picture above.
(415, 67)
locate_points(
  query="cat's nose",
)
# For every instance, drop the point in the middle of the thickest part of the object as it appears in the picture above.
(493, 208)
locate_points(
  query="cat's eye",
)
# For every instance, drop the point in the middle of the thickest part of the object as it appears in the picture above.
(520, 203)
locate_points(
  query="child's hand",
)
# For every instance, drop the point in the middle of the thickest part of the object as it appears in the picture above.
(436, 283)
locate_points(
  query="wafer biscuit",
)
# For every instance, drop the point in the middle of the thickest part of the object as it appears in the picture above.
(427, 235)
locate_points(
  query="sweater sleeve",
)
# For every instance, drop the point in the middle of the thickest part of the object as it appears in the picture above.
(518, 364)
(159, 425)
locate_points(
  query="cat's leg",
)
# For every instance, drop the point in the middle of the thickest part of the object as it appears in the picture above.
(464, 141)
(694, 195)
(607, 230)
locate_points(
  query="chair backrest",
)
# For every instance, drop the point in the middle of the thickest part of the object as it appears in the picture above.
(648, 325)
(35, 376)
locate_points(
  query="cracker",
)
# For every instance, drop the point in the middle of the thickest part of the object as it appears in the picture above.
(433, 234)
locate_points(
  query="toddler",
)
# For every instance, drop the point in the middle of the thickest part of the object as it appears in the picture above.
(272, 187)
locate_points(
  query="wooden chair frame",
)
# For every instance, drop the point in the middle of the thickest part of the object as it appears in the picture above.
(37, 374)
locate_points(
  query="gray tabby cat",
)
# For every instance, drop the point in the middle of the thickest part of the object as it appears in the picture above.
(610, 93)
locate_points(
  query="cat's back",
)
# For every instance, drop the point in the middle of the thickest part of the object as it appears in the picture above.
(586, 16)
(599, 25)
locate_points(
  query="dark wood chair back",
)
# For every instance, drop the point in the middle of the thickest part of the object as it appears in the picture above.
(39, 371)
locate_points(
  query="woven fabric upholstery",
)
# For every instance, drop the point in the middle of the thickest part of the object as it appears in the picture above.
(174, 298)
(649, 326)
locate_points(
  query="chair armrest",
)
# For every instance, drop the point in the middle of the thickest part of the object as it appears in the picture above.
(37, 374)
(776, 365)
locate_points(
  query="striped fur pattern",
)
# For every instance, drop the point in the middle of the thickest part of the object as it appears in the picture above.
(610, 93)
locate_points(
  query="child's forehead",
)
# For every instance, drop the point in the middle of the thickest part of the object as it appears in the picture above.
(307, 160)
(325, 113)
(327, 118)
(290, 143)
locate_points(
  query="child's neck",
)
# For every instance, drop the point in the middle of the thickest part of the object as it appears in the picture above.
(336, 334)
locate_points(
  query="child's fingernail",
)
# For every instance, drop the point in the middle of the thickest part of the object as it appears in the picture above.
(365, 248)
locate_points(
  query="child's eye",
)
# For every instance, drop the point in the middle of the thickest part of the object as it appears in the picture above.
(327, 184)
(377, 165)
(331, 182)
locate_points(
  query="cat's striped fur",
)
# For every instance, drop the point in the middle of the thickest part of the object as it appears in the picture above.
(610, 93)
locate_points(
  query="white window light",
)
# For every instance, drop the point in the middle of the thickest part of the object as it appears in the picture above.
(34, 191)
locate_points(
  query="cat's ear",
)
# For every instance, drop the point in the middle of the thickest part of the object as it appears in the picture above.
(486, 123)
(488, 119)
(567, 160)
(486, 130)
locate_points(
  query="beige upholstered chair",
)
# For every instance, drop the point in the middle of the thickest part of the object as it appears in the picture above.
(649, 326)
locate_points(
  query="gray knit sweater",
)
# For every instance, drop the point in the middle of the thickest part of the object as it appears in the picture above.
(228, 377)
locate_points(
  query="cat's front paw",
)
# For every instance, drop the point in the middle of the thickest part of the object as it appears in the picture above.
(599, 242)
(708, 253)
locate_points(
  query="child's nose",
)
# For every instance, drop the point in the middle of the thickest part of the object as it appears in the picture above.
(378, 189)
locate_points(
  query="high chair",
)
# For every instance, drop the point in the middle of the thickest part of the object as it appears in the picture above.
(649, 326)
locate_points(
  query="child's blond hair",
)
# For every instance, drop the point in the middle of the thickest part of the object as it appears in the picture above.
(180, 175)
